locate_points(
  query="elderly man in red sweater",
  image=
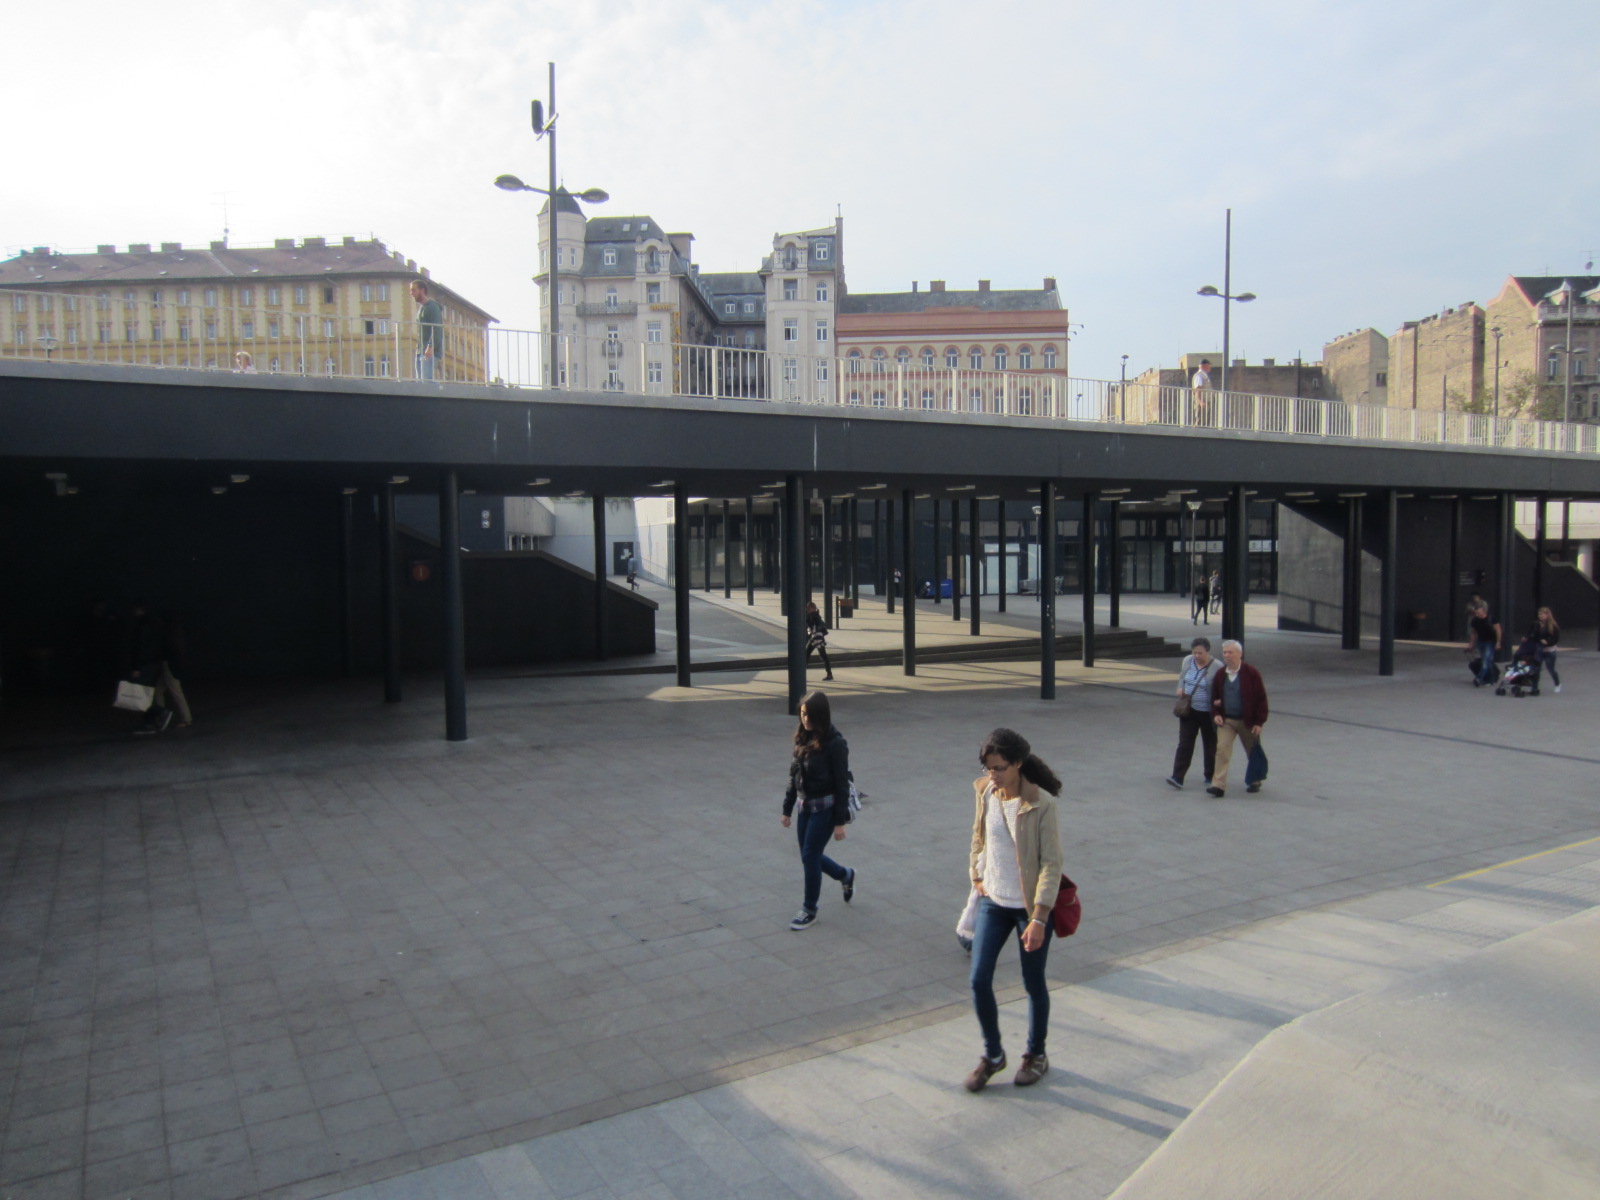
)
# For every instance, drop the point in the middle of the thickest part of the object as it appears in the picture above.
(1239, 707)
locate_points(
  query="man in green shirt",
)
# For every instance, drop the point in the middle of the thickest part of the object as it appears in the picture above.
(430, 330)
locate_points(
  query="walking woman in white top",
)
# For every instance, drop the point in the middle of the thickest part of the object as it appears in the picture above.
(1015, 865)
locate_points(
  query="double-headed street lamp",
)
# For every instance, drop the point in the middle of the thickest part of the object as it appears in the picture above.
(510, 183)
(1226, 294)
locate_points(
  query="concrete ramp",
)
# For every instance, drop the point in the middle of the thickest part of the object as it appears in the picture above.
(1478, 1079)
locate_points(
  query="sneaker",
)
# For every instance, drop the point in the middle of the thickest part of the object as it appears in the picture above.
(849, 885)
(1174, 781)
(1558, 689)
(1252, 788)
(983, 1072)
(1032, 1068)
(803, 920)
(1213, 791)
(166, 720)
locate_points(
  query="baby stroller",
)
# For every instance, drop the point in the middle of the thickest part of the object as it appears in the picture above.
(1522, 676)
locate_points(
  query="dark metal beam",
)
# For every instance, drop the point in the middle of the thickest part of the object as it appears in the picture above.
(1391, 573)
(908, 567)
(825, 560)
(347, 583)
(955, 559)
(1005, 554)
(974, 566)
(1116, 564)
(680, 577)
(1086, 569)
(794, 584)
(601, 568)
(1506, 545)
(388, 570)
(744, 549)
(1350, 617)
(727, 558)
(454, 610)
(1047, 590)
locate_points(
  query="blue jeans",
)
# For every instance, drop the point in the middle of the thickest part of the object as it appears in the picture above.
(1486, 662)
(425, 366)
(813, 831)
(995, 926)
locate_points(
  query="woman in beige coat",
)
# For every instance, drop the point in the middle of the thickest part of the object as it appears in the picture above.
(1015, 866)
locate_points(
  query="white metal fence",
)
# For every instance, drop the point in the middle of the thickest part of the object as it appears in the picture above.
(56, 327)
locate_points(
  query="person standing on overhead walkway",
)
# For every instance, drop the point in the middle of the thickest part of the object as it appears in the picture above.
(430, 330)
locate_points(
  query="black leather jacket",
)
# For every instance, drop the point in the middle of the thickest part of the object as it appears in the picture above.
(827, 772)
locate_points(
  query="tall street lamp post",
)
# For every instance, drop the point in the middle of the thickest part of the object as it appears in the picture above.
(1495, 332)
(543, 127)
(1226, 294)
(1122, 392)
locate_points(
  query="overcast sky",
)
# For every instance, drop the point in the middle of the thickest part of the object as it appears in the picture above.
(1382, 160)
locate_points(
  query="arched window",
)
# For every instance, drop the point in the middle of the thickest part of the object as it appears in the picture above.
(878, 399)
(1024, 358)
(927, 357)
(976, 358)
(855, 397)
(1049, 358)
(999, 358)
(952, 357)
(855, 362)
(902, 356)
(879, 361)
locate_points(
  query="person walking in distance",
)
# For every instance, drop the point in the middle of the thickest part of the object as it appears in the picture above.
(1216, 593)
(817, 638)
(1544, 634)
(818, 801)
(1486, 635)
(430, 330)
(1202, 600)
(1015, 866)
(1200, 392)
(1195, 676)
(1239, 710)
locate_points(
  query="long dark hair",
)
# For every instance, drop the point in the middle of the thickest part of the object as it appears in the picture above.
(809, 741)
(1013, 747)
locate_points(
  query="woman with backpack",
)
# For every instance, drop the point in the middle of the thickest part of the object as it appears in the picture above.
(1015, 866)
(818, 802)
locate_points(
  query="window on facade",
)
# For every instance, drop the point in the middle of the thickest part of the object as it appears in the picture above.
(183, 295)
(1382, 379)
(952, 357)
(791, 370)
(902, 357)
(383, 291)
(653, 372)
(183, 331)
(19, 303)
(329, 367)
(730, 307)
(613, 333)
(927, 356)
(383, 366)
(273, 328)
(977, 358)
(130, 332)
(879, 361)
(155, 331)
(1550, 367)
(791, 289)
(370, 367)
(1049, 358)
(749, 337)
(329, 327)
(822, 331)
(855, 362)
(274, 365)
(749, 306)
(131, 298)
(247, 329)
(975, 399)
(274, 296)
(247, 297)
(329, 293)
(102, 301)
(103, 333)
(855, 397)
(652, 262)
(372, 327)
(613, 380)
(790, 259)
(1024, 358)
(879, 399)
(299, 294)
(791, 330)
(611, 298)
(652, 293)
(927, 397)
(155, 298)
(823, 250)
(609, 256)
(999, 358)
(211, 330)
(822, 292)
(366, 294)
(822, 370)
(652, 331)
(72, 335)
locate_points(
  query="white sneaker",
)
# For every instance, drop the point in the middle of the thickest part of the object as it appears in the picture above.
(1558, 689)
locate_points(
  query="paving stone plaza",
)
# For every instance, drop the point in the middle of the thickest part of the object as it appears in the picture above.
(310, 948)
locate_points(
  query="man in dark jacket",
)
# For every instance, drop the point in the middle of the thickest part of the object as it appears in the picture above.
(1239, 708)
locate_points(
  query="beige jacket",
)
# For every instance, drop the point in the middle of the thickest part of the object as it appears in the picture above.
(1038, 842)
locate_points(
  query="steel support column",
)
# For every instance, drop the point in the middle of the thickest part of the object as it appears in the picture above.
(727, 557)
(1505, 540)
(1047, 590)
(794, 584)
(955, 559)
(744, 550)
(888, 551)
(1350, 615)
(705, 545)
(455, 632)
(680, 577)
(347, 588)
(1116, 564)
(1235, 563)
(908, 564)
(600, 567)
(1539, 526)
(825, 561)
(1453, 628)
(388, 570)
(1005, 545)
(974, 565)
(938, 556)
(1086, 569)
(1386, 606)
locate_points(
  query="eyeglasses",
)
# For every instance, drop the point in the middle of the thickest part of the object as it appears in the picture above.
(1001, 769)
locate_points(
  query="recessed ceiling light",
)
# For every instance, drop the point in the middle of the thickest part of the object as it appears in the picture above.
(771, 485)
(351, 491)
(55, 475)
(1183, 491)
(217, 491)
(665, 483)
(988, 497)
(923, 496)
(1114, 491)
(540, 482)
(963, 487)
(399, 479)
(873, 487)
(239, 478)
(1299, 493)
(1352, 495)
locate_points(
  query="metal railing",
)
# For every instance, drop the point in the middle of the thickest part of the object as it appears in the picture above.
(56, 327)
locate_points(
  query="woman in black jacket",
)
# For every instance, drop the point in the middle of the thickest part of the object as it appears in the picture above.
(1544, 634)
(819, 784)
(817, 638)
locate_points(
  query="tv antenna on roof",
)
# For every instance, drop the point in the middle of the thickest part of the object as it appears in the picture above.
(222, 200)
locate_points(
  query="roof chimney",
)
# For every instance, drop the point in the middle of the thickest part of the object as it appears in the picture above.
(45, 250)
(138, 247)
(171, 247)
(983, 285)
(313, 243)
(936, 285)
(1049, 283)
(223, 245)
(283, 243)
(913, 287)
(105, 249)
